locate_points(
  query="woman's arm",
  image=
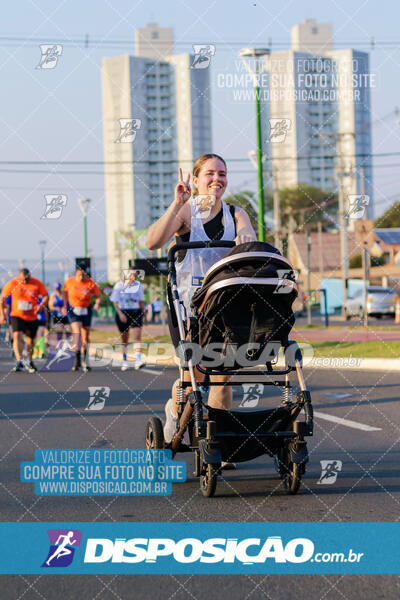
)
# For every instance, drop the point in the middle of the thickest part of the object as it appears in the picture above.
(119, 312)
(173, 219)
(169, 223)
(244, 228)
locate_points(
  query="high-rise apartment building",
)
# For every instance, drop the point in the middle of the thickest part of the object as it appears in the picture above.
(156, 118)
(319, 102)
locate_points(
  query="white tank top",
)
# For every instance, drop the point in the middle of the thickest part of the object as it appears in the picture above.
(190, 272)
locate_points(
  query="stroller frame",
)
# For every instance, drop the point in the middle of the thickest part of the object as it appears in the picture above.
(289, 448)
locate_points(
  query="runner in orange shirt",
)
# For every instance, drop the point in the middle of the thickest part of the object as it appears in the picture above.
(25, 291)
(78, 293)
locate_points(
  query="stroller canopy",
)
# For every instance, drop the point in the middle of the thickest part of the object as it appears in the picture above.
(246, 298)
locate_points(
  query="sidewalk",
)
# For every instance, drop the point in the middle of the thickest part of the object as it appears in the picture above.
(166, 356)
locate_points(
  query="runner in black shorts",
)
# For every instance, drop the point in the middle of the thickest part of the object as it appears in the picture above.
(78, 292)
(128, 299)
(25, 291)
(28, 328)
(134, 318)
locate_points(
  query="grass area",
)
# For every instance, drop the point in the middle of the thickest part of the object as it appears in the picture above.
(373, 349)
(348, 325)
(112, 337)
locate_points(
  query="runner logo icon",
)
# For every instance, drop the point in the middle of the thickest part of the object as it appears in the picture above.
(251, 394)
(329, 471)
(50, 55)
(128, 130)
(202, 55)
(54, 206)
(63, 543)
(98, 397)
(279, 129)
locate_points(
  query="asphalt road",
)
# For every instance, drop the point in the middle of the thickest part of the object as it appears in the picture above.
(47, 410)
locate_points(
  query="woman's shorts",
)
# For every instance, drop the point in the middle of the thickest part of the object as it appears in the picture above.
(86, 320)
(134, 319)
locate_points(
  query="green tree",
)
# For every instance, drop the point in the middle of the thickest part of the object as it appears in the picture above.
(246, 200)
(355, 261)
(307, 204)
(390, 218)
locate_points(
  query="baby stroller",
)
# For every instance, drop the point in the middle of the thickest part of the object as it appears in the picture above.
(241, 318)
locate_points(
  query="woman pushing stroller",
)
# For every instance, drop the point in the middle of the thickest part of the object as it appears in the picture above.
(199, 215)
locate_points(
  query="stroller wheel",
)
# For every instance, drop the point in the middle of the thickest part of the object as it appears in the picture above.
(154, 434)
(292, 479)
(289, 471)
(208, 480)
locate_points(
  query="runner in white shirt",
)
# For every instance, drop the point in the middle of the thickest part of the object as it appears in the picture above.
(128, 299)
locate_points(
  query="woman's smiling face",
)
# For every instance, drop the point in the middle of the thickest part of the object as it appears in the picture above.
(212, 178)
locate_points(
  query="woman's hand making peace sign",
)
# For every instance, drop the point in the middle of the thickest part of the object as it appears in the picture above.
(182, 190)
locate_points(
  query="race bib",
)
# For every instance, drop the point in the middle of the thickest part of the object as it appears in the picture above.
(24, 305)
(197, 281)
(80, 311)
(131, 304)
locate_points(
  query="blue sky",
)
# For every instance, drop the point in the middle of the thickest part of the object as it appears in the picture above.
(56, 114)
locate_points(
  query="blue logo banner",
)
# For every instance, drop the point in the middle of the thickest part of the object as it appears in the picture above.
(200, 548)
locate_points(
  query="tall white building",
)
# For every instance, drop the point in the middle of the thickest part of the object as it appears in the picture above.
(319, 98)
(156, 118)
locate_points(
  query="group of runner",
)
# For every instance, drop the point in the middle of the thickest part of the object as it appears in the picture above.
(26, 307)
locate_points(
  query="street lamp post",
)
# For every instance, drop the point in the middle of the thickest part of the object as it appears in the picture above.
(257, 53)
(342, 170)
(42, 245)
(83, 205)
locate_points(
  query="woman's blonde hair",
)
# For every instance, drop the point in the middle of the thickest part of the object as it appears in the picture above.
(198, 165)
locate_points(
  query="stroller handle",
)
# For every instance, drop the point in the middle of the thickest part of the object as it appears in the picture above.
(189, 246)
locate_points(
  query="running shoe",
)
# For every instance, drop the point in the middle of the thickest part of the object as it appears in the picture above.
(85, 367)
(77, 363)
(139, 364)
(18, 367)
(170, 422)
(125, 365)
(30, 367)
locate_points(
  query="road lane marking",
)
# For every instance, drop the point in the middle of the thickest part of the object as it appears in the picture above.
(335, 396)
(345, 422)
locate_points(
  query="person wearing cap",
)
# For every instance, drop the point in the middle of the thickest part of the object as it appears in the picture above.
(60, 321)
(128, 300)
(78, 293)
(25, 291)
